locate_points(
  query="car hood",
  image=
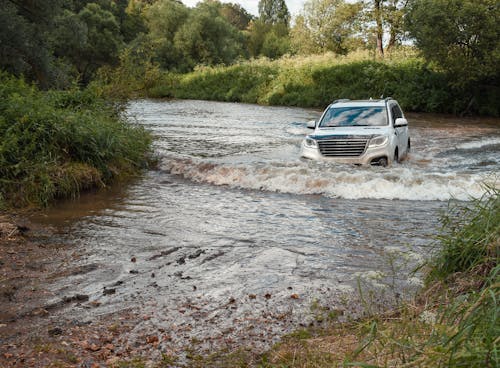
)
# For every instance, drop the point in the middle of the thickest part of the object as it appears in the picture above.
(349, 131)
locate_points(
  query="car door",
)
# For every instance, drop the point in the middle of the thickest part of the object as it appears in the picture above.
(401, 131)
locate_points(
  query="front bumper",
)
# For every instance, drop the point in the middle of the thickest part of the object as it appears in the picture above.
(369, 156)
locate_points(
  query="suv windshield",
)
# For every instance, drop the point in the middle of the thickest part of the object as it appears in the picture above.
(354, 116)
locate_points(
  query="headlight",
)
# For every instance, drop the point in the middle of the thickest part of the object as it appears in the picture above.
(380, 140)
(310, 143)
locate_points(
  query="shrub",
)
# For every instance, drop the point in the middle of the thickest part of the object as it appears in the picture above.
(315, 81)
(54, 144)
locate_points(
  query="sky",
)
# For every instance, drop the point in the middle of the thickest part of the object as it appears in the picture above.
(294, 6)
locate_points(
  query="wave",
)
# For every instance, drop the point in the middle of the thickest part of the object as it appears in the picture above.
(480, 143)
(338, 181)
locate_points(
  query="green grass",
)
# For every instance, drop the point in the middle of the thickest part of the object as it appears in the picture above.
(55, 144)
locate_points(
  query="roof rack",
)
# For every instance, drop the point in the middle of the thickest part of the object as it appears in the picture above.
(341, 100)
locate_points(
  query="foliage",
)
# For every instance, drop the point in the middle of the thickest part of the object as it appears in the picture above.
(469, 237)
(468, 42)
(55, 144)
(236, 15)
(326, 25)
(274, 12)
(182, 38)
(315, 82)
(89, 39)
(25, 38)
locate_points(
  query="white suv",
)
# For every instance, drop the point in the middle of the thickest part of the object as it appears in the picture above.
(359, 132)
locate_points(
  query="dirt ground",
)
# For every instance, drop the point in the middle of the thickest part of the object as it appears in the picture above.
(31, 333)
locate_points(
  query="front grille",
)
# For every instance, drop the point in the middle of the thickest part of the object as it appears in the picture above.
(342, 147)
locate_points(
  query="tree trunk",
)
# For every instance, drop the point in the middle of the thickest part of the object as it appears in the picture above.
(392, 39)
(380, 29)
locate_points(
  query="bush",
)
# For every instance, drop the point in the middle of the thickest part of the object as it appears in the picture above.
(315, 81)
(54, 144)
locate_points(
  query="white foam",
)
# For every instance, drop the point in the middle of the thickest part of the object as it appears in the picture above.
(481, 143)
(334, 181)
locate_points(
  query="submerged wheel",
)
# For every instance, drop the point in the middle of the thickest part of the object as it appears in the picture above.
(383, 162)
(408, 148)
(396, 155)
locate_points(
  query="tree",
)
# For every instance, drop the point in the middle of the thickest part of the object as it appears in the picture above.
(274, 12)
(393, 17)
(236, 15)
(164, 19)
(257, 31)
(384, 17)
(207, 38)
(379, 28)
(25, 29)
(326, 25)
(276, 42)
(468, 42)
(89, 39)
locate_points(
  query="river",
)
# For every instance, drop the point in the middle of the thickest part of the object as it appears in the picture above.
(235, 238)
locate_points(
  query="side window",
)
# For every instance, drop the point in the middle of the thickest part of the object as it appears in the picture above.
(396, 113)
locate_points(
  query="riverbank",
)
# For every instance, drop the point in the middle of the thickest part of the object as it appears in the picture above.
(312, 81)
(451, 322)
(55, 144)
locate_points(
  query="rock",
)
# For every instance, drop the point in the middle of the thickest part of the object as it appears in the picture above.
(135, 272)
(267, 296)
(196, 254)
(252, 296)
(81, 297)
(164, 253)
(133, 259)
(109, 291)
(75, 298)
(294, 296)
(55, 331)
(181, 260)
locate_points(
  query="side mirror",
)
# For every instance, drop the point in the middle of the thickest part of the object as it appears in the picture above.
(311, 124)
(401, 122)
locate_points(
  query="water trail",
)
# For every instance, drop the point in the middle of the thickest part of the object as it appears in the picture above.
(336, 181)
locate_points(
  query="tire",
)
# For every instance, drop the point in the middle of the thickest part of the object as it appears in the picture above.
(408, 148)
(383, 162)
(396, 155)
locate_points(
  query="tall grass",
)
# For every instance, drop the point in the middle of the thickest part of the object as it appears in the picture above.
(57, 143)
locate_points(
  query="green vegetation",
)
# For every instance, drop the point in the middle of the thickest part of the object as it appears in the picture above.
(312, 81)
(215, 51)
(55, 144)
(453, 322)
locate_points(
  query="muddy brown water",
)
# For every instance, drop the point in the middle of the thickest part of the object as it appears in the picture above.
(235, 239)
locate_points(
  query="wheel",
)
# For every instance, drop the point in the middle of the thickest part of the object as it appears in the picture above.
(396, 155)
(408, 147)
(383, 162)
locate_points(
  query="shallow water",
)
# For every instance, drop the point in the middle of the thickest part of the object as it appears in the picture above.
(235, 231)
